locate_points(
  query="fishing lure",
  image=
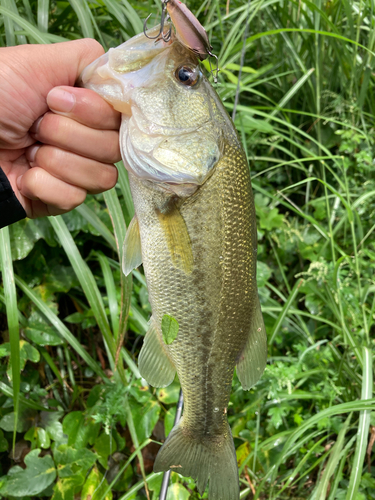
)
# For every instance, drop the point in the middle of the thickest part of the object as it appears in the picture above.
(189, 31)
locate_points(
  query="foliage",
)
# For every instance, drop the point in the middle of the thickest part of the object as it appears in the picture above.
(86, 424)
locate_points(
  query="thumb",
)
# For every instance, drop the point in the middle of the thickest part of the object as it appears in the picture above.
(29, 72)
(62, 63)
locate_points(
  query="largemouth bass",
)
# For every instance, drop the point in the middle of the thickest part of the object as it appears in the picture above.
(194, 230)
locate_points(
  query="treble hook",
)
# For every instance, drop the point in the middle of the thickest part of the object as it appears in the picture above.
(164, 17)
(217, 66)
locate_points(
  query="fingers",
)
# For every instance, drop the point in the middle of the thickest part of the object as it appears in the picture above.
(65, 133)
(56, 196)
(84, 106)
(90, 175)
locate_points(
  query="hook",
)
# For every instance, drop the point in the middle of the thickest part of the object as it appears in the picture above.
(164, 17)
(211, 54)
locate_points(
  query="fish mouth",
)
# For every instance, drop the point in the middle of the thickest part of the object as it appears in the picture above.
(112, 75)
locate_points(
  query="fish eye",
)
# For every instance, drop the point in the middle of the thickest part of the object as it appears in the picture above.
(188, 76)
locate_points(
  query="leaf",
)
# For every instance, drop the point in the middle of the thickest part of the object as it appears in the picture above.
(71, 461)
(169, 328)
(169, 420)
(263, 273)
(23, 236)
(24, 422)
(38, 475)
(105, 445)
(43, 335)
(145, 418)
(27, 352)
(38, 437)
(242, 452)
(3, 442)
(177, 492)
(65, 489)
(169, 395)
(50, 422)
(95, 486)
(270, 220)
(79, 429)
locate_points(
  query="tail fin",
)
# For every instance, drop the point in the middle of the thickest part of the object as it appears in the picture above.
(210, 458)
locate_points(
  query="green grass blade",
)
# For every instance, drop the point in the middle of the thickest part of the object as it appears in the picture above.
(95, 221)
(29, 403)
(133, 17)
(130, 363)
(363, 428)
(31, 31)
(138, 486)
(12, 318)
(80, 7)
(284, 311)
(10, 36)
(333, 461)
(125, 188)
(88, 283)
(119, 227)
(61, 329)
(111, 291)
(133, 434)
(117, 218)
(362, 405)
(123, 468)
(43, 12)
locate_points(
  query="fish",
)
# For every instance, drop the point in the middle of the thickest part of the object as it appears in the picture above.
(194, 231)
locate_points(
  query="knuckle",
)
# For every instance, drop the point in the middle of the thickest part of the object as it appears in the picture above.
(50, 127)
(76, 196)
(92, 46)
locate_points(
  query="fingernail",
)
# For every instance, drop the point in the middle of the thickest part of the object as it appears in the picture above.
(60, 100)
(35, 126)
(31, 152)
(19, 182)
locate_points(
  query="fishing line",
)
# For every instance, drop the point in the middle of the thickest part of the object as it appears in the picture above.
(167, 475)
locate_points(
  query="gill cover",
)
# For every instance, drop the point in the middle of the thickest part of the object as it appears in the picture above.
(168, 133)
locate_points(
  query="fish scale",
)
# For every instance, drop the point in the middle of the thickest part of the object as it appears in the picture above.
(194, 230)
(213, 308)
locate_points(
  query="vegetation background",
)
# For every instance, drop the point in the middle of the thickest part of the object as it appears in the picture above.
(85, 425)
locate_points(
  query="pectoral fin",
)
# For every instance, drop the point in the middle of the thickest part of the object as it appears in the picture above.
(154, 363)
(131, 252)
(178, 240)
(252, 361)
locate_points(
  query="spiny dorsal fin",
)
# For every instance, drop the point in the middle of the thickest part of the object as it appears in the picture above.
(253, 359)
(178, 239)
(131, 252)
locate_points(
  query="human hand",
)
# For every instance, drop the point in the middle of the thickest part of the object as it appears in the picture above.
(57, 142)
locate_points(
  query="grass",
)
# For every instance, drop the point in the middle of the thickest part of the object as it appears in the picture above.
(305, 115)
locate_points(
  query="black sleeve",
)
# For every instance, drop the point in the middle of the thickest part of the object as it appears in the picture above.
(11, 209)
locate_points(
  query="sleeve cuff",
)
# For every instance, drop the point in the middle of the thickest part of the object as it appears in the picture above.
(11, 209)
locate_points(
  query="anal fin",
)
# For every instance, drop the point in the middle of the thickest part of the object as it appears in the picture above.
(154, 363)
(131, 253)
(253, 359)
(178, 239)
